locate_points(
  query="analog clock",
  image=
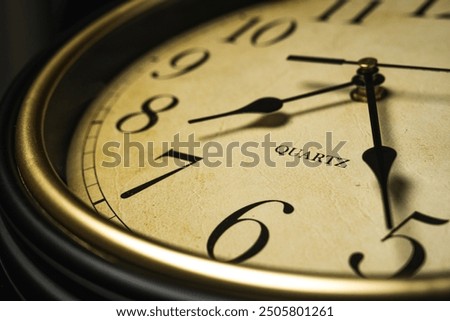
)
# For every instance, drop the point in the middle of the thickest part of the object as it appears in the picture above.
(236, 149)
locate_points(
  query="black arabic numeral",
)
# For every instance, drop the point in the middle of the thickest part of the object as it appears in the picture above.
(357, 19)
(236, 218)
(418, 254)
(266, 35)
(191, 159)
(422, 10)
(325, 16)
(151, 116)
(183, 63)
(243, 29)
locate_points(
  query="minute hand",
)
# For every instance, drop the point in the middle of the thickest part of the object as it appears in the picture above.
(337, 61)
(379, 158)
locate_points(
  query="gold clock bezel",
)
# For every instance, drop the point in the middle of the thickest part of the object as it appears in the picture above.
(79, 221)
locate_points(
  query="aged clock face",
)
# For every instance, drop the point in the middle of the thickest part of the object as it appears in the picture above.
(306, 188)
(245, 149)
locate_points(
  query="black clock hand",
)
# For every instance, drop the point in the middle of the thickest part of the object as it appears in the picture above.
(379, 158)
(336, 61)
(270, 104)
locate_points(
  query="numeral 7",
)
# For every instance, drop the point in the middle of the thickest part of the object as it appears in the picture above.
(171, 153)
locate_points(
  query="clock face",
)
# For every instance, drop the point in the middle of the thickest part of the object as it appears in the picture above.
(215, 144)
(246, 149)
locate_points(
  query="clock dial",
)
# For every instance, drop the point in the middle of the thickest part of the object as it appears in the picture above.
(242, 149)
(214, 143)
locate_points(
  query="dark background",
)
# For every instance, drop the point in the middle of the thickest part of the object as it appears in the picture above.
(27, 27)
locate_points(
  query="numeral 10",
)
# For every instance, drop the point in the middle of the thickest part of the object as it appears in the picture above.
(264, 35)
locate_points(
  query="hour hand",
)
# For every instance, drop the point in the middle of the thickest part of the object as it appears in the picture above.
(263, 105)
(270, 104)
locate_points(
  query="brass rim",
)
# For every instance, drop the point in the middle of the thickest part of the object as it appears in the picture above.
(79, 220)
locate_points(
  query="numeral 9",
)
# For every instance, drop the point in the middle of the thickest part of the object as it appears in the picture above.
(184, 62)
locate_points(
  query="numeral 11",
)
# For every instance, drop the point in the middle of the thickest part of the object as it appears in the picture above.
(425, 6)
(357, 19)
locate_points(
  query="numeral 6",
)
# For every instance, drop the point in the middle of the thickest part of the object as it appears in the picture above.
(234, 219)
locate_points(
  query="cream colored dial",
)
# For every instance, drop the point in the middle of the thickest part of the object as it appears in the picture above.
(285, 190)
